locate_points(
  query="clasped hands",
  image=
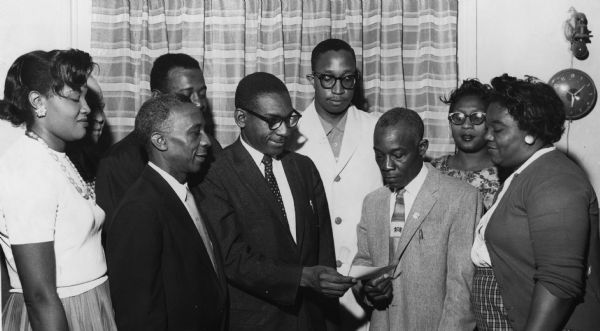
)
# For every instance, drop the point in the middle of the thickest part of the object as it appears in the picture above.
(378, 291)
(326, 280)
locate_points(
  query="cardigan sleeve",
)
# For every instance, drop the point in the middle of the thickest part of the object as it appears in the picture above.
(558, 213)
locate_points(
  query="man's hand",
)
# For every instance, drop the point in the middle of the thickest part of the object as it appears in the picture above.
(379, 291)
(326, 280)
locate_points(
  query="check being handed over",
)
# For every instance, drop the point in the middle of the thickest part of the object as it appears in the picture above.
(361, 272)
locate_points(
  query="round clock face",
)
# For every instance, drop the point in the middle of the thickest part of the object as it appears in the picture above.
(577, 91)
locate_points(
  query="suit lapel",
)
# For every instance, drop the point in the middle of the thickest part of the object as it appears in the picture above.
(383, 213)
(299, 195)
(180, 215)
(350, 140)
(313, 134)
(255, 182)
(425, 200)
(222, 279)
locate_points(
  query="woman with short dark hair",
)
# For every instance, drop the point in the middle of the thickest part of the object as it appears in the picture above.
(50, 224)
(536, 250)
(471, 162)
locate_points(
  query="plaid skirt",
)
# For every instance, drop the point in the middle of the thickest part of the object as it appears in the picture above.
(487, 302)
(88, 311)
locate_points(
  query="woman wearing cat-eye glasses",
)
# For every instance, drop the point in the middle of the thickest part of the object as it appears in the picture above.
(471, 161)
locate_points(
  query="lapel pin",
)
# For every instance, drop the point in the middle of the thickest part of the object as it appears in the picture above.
(416, 215)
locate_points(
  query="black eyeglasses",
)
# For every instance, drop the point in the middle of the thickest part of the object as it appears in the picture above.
(328, 81)
(274, 122)
(458, 118)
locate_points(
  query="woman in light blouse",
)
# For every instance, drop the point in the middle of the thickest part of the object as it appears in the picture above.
(537, 249)
(50, 224)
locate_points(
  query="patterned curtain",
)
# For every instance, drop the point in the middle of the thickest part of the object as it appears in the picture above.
(406, 51)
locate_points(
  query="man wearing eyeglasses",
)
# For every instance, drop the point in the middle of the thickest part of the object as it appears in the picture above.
(269, 211)
(337, 136)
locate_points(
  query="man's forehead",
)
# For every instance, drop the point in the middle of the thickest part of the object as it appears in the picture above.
(181, 75)
(268, 102)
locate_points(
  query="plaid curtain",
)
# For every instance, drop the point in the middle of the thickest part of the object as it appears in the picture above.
(406, 51)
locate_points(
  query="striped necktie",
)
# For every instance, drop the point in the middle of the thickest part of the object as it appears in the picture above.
(397, 223)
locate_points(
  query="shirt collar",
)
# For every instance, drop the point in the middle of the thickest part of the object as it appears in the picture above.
(327, 127)
(256, 155)
(415, 184)
(180, 189)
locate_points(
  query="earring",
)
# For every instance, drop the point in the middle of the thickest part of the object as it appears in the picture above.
(529, 139)
(41, 112)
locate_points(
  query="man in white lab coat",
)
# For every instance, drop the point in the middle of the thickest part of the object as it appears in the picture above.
(338, 137)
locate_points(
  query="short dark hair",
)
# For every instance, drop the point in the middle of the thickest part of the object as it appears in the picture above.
(469, 87)
(44, 72)
(251, 87)
(534, 104)
(329, 45)
(154, 115)
(407, 118)
(159, 75)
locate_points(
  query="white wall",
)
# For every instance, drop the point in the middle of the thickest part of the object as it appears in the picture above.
(526, 37)
(27, 25)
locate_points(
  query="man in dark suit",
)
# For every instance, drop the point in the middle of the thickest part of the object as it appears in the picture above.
(171, 73)
(163, 259)
(270, 214)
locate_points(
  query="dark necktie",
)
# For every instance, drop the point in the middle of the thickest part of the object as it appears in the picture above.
(397, 224)
(268, 162)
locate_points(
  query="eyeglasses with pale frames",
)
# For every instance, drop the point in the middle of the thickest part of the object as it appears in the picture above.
(458, 118)
(274, 122)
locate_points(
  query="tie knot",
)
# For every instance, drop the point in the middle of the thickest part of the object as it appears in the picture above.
(400, 194)
(267, 160)
(188, 193)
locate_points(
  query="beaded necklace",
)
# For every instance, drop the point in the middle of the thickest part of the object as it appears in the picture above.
(83, 188)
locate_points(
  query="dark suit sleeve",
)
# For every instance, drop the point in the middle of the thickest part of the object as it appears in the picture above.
(113, 180)
(246, 269)
(134, 248)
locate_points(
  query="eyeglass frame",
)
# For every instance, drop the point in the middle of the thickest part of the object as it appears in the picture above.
(319, 76)
(468, 116)
(280, 120)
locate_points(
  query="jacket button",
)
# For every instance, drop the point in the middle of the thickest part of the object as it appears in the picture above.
(337, 178)
(338, 263)
(338, 220)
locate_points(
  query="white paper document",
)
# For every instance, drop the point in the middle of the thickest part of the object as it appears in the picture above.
(362, 272)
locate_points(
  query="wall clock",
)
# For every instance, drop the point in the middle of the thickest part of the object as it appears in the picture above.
(577, 91)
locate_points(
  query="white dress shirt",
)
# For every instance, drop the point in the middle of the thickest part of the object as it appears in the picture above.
(410, 193)
(479, 252)
(282, 182)
(181, 190)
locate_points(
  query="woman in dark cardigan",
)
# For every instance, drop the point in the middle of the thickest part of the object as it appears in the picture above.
(537, 248)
